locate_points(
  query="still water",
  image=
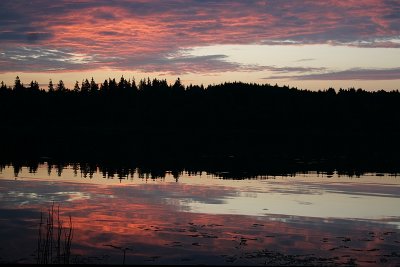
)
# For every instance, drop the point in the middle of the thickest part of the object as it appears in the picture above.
(198, 218)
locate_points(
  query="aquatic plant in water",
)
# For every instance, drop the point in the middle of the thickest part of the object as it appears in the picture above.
(54, 238)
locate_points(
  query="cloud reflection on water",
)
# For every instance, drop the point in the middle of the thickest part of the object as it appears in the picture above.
(199, 220)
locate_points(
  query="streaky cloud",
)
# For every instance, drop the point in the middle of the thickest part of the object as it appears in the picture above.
(351, 74)
(140, 34)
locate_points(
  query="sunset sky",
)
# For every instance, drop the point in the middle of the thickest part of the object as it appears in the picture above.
(306, 44)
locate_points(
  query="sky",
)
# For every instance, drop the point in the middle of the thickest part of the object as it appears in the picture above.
(305, 44)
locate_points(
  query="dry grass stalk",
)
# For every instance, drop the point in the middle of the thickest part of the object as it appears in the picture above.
(54, 239)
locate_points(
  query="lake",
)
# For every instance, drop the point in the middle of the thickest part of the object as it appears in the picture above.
(133, 216)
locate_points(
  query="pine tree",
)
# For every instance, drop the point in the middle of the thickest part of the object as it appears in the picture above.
(142, 85)
(104, 87)
(34, 86)
(76, 87)
(133, 84)
(122, 83)
(94, 87)
(3, 86)
(17, 84)
(112, 84)
(85, 86)
(51, 86)
(61, 86)
(178, 87)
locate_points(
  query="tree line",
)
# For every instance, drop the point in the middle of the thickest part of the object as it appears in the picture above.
(92, 87)
(235, 105)
(127, 171)
(173, 120)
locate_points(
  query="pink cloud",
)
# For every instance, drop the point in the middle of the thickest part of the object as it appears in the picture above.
(124, 33)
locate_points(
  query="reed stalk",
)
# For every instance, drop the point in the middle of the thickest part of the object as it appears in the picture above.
(54, 239)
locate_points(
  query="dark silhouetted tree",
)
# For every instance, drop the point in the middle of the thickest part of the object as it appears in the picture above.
(121, 83)
(142, 85)
(3, 86)
(18, 86)
(76, 87)
(112, 84)
(94, 87)
(34, 86)
(104, 87)
(133, 85)
(50, 86)
(85, 87)
(60, 86)
(178, 87)
(331, 91)
(124, 85)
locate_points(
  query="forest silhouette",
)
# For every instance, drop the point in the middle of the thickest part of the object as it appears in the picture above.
(152, 120)
(230, 170)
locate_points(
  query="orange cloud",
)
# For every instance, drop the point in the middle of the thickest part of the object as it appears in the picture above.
(151, 35)
(147, 220)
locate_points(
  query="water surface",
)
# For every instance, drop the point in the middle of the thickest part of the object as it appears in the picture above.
(198, 218)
